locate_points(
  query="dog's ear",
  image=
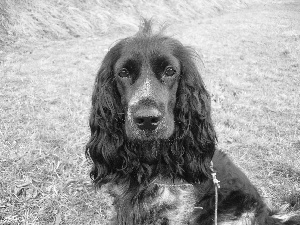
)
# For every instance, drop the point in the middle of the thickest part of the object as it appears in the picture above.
(193, 117)
(106, 121)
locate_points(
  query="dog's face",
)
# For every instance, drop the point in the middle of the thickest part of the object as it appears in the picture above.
(147, 75)
(150, 112)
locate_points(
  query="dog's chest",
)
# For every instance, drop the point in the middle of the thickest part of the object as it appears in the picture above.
(171, 204)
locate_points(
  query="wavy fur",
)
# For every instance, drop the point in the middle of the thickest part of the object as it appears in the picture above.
(186, 154)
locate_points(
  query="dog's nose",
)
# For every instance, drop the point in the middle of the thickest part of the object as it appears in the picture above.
(147, 120)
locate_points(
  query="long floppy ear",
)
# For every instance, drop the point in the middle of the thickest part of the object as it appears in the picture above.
(106, 121)
(193, 118)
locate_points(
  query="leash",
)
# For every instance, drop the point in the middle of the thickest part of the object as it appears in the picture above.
(217, 185)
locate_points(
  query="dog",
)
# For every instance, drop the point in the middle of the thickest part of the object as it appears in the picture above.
(153, 142)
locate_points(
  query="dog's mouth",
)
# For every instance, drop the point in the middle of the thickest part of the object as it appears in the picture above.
(149, 135)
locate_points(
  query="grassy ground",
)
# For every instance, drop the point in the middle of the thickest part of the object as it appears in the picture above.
(252, 59)
(74, 18)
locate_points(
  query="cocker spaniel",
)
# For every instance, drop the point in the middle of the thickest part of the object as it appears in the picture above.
(153, 141)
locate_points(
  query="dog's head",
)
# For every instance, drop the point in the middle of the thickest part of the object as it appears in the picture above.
(150, 107)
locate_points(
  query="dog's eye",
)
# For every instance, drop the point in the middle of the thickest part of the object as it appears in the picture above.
(124, 73)
(170, 71)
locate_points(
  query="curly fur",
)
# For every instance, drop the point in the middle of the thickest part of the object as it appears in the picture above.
(131, 166)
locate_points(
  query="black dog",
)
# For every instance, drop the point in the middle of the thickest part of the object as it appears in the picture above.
(152, 140)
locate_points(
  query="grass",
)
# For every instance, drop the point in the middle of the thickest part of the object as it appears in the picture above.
(44, 130)
(252, 64)
(57, 19)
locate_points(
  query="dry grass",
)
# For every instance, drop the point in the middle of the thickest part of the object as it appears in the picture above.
(67, 19)
(44, 110)
(252, 60)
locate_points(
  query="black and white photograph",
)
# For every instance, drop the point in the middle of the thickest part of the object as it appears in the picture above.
(163, 112)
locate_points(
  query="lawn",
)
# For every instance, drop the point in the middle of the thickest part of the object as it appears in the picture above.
(252, 59)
